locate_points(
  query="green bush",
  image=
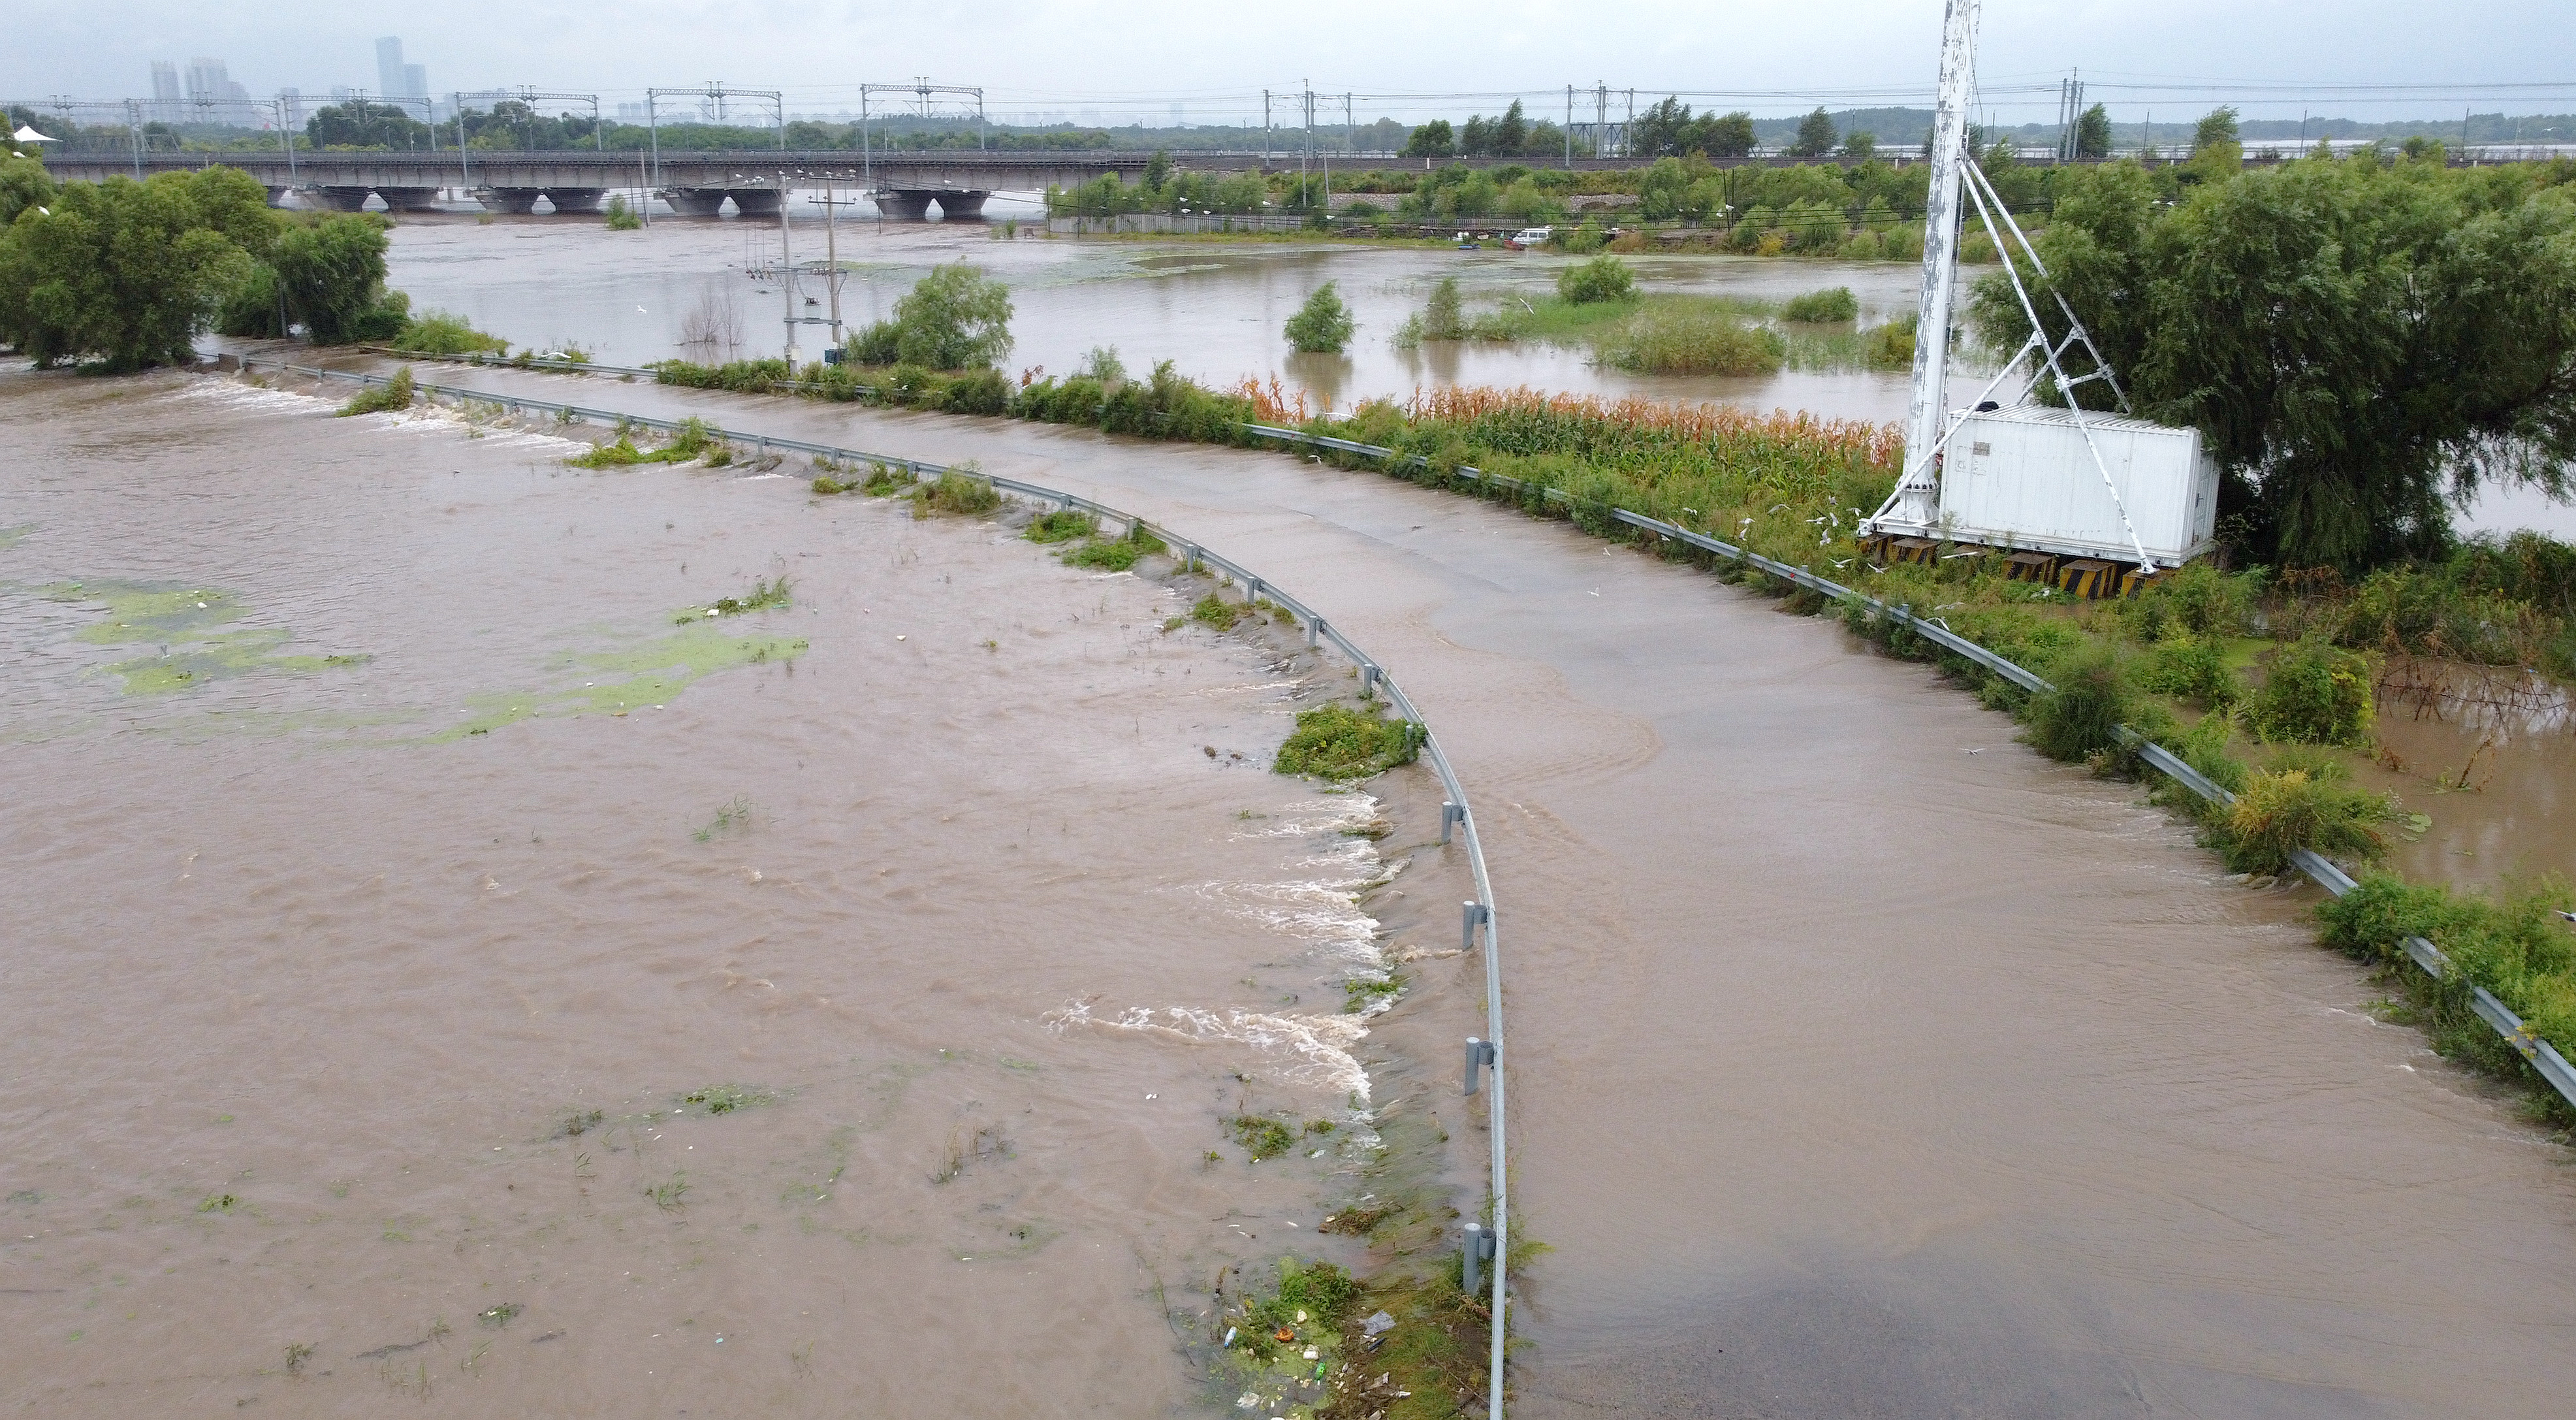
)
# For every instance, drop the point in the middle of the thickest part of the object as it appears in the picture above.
(2315, 693)
(2194, 668)
(393, 394)
(622, 218)
(2080, 718)
(1062, 525)
(1603, 278)
(1215, 611)
(1339, 742)
(1891, 346)
(2309, 805)
(960, 493)
(1836, 304)
(440, 333)
(1323, 325)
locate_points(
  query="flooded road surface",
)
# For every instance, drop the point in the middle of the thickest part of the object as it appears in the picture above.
(446, 966)
(1863, 1062)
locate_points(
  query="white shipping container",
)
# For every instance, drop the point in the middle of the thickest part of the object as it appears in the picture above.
(2022, 478)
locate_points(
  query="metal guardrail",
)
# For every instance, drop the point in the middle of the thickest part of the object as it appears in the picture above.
(1374, 680)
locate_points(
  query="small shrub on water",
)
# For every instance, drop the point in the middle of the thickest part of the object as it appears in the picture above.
(1339, 742)
(1817, 307)
(1062, 525)
(1689, 342)
(1603, 278)
(1213, 610)
(1323, 325)
(394, 394)
(960, 493)
(1261, 1137)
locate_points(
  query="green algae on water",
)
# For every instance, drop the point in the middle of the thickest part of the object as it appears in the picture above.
(10, 537)
(650, 675)
(187, 625)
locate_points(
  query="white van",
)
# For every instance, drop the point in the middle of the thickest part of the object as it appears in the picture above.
(1528, 237)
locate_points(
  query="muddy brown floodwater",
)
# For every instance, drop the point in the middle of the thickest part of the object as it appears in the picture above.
(1864, 1063)
(444, 966)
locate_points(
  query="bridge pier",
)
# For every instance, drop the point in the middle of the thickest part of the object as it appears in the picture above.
(962, 206)
(576, 201)
(517, 201)
(908, 206)
(694, 201)
(408, 199)
(338, 199)
(755, 201)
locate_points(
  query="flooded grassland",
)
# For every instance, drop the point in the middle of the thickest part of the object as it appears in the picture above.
(452, 967)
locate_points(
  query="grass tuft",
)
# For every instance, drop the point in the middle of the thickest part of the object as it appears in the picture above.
(392, 395)
(1339, 742)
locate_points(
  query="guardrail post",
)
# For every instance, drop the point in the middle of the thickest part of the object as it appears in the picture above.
(1475, 1249)
(1368, 680)
(1449, 814)
(1480, 1053)
(1475, 914)
(1314, 629)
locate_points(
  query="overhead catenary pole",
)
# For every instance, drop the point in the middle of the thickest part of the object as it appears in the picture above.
(786, 271)
(1914, 503)
(1569, 128)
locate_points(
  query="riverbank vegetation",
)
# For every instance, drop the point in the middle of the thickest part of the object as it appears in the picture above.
(124, 275)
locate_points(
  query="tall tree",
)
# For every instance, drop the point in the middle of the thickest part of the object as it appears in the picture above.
(1730, 136)
(2093, 133)
(2216, 126)
(1815, 135)
(2362, 346)
(1511, 130)
(1662, 131)
(123, 273)
(1432, 140)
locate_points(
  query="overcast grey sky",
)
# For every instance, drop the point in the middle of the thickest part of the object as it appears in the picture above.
(1138, 58)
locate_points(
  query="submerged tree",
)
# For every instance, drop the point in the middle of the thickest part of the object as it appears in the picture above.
(956, 318)
(1323, 325)
(124, 273)
(2362, 345)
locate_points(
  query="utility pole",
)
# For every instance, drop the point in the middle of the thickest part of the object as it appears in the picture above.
(787, 272)
(134, 126)
(1569, 128)
(832, 204)
(1600, 119)
(1265, 127)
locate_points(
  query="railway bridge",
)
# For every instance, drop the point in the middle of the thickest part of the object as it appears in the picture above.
(694, 184)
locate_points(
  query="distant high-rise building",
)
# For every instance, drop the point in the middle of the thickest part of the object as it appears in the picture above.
(208, 85)
(415, 81)
(293, 102)
(389, 67)
(167, 96)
